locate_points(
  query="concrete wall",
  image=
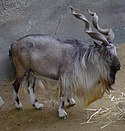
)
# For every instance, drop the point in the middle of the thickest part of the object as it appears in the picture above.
(21, 17)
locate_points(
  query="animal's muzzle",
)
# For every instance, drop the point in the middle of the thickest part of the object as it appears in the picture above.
(113, 71)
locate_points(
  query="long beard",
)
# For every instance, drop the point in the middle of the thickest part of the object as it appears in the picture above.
(87, 80)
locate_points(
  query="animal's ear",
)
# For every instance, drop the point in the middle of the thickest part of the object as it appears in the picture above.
(100, 47)
(97, 45)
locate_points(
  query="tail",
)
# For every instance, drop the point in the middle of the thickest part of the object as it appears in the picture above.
(11, 62)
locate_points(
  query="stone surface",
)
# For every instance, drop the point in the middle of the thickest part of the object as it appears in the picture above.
(21, 17)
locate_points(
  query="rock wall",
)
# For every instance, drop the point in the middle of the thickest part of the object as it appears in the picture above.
(21, 17)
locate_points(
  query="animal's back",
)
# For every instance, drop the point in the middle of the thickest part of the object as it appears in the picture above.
(42, 54)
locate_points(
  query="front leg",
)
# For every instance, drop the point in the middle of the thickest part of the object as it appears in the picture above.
(61, 111)
(71, 101)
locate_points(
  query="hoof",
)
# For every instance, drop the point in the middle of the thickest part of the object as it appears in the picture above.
(62, 114)
(18, 106)
(38, 106)
(71, 102)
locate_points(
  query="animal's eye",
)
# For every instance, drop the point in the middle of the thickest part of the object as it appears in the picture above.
(109, 47)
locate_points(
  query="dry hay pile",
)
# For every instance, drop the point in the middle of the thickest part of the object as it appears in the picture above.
(106, 116)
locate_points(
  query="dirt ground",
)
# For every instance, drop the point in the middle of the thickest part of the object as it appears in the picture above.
(30, 119)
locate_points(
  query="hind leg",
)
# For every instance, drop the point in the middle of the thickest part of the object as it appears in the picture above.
(31, 85)
(16, 100)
